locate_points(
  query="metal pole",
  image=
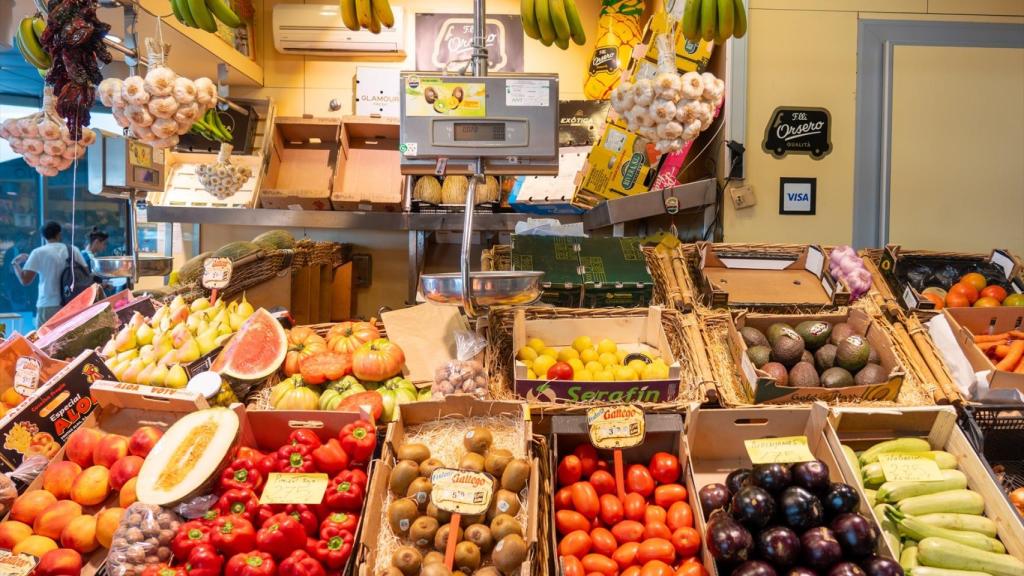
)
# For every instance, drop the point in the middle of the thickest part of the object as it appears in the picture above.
(479, 57)
(467, 238)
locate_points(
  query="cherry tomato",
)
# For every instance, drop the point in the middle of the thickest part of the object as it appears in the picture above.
(603, 482)
(611, 509)
(604, 541)
(668, 494)
(634, 505)
(584, 499)
(601, 564)
(576, 544)
(654, 514)
(571, 566)
(657, 530)
(567, 521)
(686, 541)
(692, 567)
(625, 554)
(628, 531)
(679, 515)
(570, 470)
(664, 468)
(631, 571)
(563, 499)
(656, 549)
(638, 479)
(656, 568)
(588, 458)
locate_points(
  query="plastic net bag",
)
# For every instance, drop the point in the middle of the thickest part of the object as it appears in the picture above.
(465, 374)
(142, 539)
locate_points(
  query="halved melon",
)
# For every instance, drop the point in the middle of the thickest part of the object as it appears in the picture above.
(188, 458)
(256, 351)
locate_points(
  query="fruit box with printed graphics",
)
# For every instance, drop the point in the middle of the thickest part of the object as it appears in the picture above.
(690, 56)
(746, 277)
(617, 166)
(640, 333)
(763, 389)
(304, 157)
(967, 322)
(455, 408)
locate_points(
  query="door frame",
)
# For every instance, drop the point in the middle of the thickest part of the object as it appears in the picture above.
(876, 40)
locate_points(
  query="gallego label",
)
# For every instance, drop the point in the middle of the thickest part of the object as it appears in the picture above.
(461, 491)
(613, 427)
(216, 273)
(783, 450)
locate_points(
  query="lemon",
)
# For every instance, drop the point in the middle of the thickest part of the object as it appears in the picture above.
(526, 353)
(582, 343)
(589, 355)
(537, 344)
(583, 375)
(528, 363)
(621, 355)
(542, 364)
(603, 376)
(566, 354)
(549, 352)
(625, 373)
(608, 359)
(649, 372)
(576, 364)
(662, 371)
(594, 366)
(607, 345)
(637, 365)
(530, 375)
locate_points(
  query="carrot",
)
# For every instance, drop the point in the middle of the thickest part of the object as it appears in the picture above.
(1017, 334)
(1013, 357)
(991, 337)
(1002, 350)
(1020, 367)
(986, 346)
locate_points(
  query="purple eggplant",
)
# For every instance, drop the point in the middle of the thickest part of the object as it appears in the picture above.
(878, 566)
(713, 497)
(753, 507)
(800, 510)
(737, 479)
(819, 550)
(846, 569)
(727, 539)
(772, 477)
(811, 475)
(779, 545)
(801, 571)
(753, 568)
(857, 535)
(839, 499)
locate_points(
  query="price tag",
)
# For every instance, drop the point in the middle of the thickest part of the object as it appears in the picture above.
(613, 427)
(785, 450)
(216, 273)
(26, 375)
(285, 488)
(909, 467)
(12, 564)
(461, 491)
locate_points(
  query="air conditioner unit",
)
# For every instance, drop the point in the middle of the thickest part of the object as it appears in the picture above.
(317, 29)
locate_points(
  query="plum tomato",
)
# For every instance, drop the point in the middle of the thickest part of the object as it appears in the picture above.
(577, 543)
(680, 515)
(611, 509)
(584, 499)
(634, 505)
(567, 521)
(628, 531)
(571, 566)
(604, 541)
(570, 470)
(664, 468)
(601, 564)
(603, 482)
(657, 530)
(656, 568)
(563, 499)
(639, 479)
(668, 494)
(686, 541)
(625, 554)
(631, 571)
(656, 549)
(691, 567)
(655, 514)
(588, 458)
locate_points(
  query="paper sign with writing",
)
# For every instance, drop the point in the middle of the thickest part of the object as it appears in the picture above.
(216, 273)
(26, 375)
(12, 564)
(613, 427)
(784, 450)
(286, 488)
(909, 467)
(461, 491)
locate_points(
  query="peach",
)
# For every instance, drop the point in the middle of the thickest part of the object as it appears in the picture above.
(81, 444)
(31, 504)
(143, 440)
(61, 562)
(12, 532)
(127, 495)
(124, 470)
(51, 522)
(106, 524)
(80, 534)
(110, 449)
(92, 486)
(59, 476)
(35, 545)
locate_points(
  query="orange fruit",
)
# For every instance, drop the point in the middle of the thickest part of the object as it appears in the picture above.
(966, 290)
(994, 291)
(956, 300)
(986, 302)
(934, 298)
(974, 279)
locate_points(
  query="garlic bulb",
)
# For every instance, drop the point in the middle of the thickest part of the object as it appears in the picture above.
(663, 110)
(184, 90)
(159, 81)
(32, 145)
(133, 90)
(670, 130)
(643, 92)
(691, 130)
(206, 91)
(622, 97)
(54, 147)
(187, 113)
(48, 129)
(163, 107)
(120, 118)
(72, 151)
(164, 128)
(667, 85)
(106, 90)
(142, 132)
(139, 116)
(169, 142)
(29, 128)
(692, 86)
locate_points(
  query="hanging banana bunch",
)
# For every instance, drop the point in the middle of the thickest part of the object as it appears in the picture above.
(716, 20)
(618, 31)
(204, 14)
(372, 15)
(28, 39)
(553, 22)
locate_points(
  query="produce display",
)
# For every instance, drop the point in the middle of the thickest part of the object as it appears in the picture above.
(553, 22)
(43, 140)
(204, 14)
(714, 20)
(222, 179)
(372, 15)
(209, 126)
(618, 31)
(958, 284)
(453, 190)
(585, 361)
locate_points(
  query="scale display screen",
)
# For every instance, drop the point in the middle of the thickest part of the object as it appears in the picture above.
(479, 131)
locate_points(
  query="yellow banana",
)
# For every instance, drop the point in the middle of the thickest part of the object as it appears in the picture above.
(708, 19)
(382, 10)
(202, 15)
(348, 14)
(691, 20)
(32, 50)
(547, 29)
(38, 27)
(374, 21)
(560, 22)
(740, 25)
(224, 13)
(576, 31)
(364, 12)
(725, 19)
(529, 17)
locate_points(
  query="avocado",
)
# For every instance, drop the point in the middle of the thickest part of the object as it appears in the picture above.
(788, 347)
(753, 337)
(840, 332)
(852, 353)
(777, 372)
(803, 375)
(871, 373)
(873, 357)
(814, 332)
(825, 357)
(759, 355)
(807, 357)
(836, 378)
(774, 330)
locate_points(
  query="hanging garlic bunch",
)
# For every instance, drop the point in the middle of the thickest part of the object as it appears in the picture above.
(222, 179)
(43, 139)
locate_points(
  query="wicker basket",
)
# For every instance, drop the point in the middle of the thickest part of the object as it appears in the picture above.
(673, 284)
(246, 273)
(313, 253)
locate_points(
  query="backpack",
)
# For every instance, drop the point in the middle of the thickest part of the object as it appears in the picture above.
(74, 279)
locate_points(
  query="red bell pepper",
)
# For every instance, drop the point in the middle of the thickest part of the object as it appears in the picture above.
(300, 563)
(247, 453)
(304, 436)
(242, 473)
(340, 521)
(267, 464)
(203, 560)
(164, 570)
(189, 535)
(305, 516)
(240, 502)
(251, 564)
(297, 458)
(232, 535)
(210, 516)
(359, 440)
(263, 513)
(330, 458)
(334, 550)
(345, 492)
(281, 535)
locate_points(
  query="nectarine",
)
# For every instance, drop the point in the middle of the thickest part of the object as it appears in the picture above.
(81, 445)
(143, 440)
(51, 522)
(80, 534)
(124, 470)
(31, 504)
(59, 477)
(35, 545)
(109, 450)
(12, 532)
(62, 562)
(106, 524)
(127, 495)
(92, 486)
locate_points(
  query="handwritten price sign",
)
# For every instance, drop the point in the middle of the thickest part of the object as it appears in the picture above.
(616, 427)
(285, 488)
(784, 450)
(216, 273)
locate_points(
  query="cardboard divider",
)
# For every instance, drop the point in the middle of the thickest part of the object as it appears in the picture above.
(368, 175)
(968, 322)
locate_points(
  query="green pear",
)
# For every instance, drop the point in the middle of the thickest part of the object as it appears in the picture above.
(223, 339)
(148, 354)
(176, 377)
(189, 351)
(178, 302)
(158, 375)
(200, 304)
(144, 334)
(162, 345)
(118, 370)
(179, 315)
(207, 341)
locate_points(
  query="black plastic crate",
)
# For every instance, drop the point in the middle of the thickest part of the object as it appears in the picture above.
(996, 431)
(242, 127)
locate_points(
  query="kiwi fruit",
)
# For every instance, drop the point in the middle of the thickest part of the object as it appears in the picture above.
(428, 466)
(515, 475)
(401, 514)
(753, 337)
(415, 452)
(402, 475)
(441, 537)
(408, 560)
(478, 440)
(430, 94)
(503, 525)
(840, 332)
(759, 355)
(495, 461)
(419, 491)
(467, 557)
(434, 512)
(480, 535)
(432, 557)
(825, 357)
(474, 519)
(871, 373)
(778, 372)
(503, 502)
(487, 571)
(472, 461)
(803, 375)
(435, 569)
(509, 553)
(423, 530)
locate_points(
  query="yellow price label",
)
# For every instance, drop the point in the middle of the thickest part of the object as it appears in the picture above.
(614, 427)
(461, 491)
(909, 468)
(286, 488)
(784, 450)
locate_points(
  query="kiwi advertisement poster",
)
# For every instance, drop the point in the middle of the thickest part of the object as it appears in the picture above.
(444, 42)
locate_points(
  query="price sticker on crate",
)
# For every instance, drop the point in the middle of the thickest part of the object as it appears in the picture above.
(782, 450)
(290, 488)
(909, 468)
(616, 427)
(461, 491)
(216, 273)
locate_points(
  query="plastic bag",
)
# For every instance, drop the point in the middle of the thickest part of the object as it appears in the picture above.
(22, 476)
(8, 493)
(142, 539)
(465, 374)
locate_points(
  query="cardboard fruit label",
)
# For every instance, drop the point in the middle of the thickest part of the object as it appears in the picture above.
(216, 273)
(286, 488)
(784, 450)
(461, 491)
(436, 97)
(12, 564)
(615, 427)
(909, 468)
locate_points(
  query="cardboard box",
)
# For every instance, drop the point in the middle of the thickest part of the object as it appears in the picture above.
(550, 194)
(458, 406)
(183, 187)
(12, 350)
(580, 122)
(860, 428)
(763, 389)
(752, 278)
(619, 165)
(377, 92)
(640, 333)
(557, 256)
(689, 56)
(966, 322)
(304, 155)
(369, 177)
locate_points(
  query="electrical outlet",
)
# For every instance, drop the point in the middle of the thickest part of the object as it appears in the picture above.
(362, 270)
(742, 196)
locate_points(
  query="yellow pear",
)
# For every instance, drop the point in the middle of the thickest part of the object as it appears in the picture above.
(189, 351)
(207, 341)
(178, 315)
(244, 308)
(127, 355)
(225, 329)
(179, 336)
(125, 339)
(148, 354)
(144, 375)
(118, 370)
(158, 375)
(176, 377)
(170, 358)
(223, 339)
(160, 314)
(202, 327)
(221, 317)
(131, 373)
(236, 319)
(144, 334)
(200, 304)
(192, 322)
(178, 302)
(109, 349)
(162, 347)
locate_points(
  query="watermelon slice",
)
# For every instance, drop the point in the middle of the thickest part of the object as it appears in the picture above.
(90, 328)
(256, 351)
(86, 298)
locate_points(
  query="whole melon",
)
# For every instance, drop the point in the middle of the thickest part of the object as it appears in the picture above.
(192, 269)
(454, 189)
(237, 250)
(489, 191)
(255, 351)
(427, 189)
(275, 240)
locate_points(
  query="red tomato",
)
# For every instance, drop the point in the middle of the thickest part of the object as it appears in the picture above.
(563, 499)
(691, 567)
(668, 494)
(628, 531)
(656, 568)
(601, 564)
(657, 530)
(654, 514)
(638, 479)
(571, 566)
(603, 482)
(625, 555)
(584, 499)
(656, 549)
(603, 465)
(634, 505)
(570, 470)
(686, 541)
(631, 571)
(576, 544)
(994, 291)
(567, 521)
(680, 515)
(588, 458)
(664, 468)
(611, 509)
(604, 541)
(595, 574)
